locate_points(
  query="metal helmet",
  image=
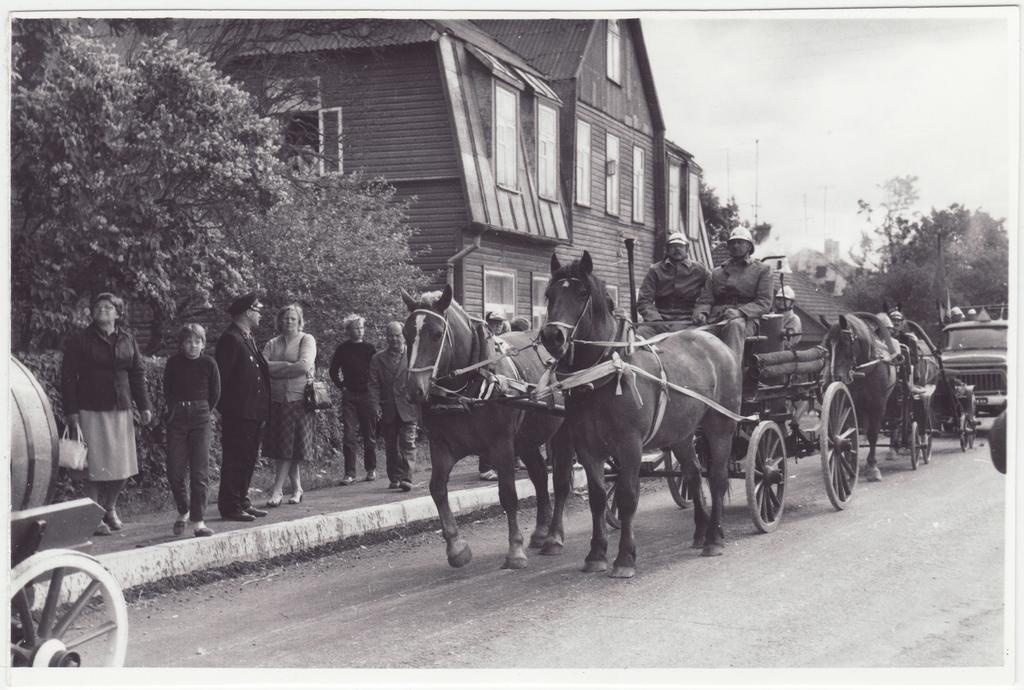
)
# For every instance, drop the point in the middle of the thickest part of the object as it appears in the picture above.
(677, 238)
(741, 233)
(956, 311)
(786, 292)
(896, 315)
(883, 320)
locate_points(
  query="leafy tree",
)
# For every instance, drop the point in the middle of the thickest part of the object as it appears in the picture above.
(720, 220)
(339, 245)
(136, 177)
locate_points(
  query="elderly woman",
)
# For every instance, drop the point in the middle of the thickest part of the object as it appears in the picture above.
(100, 377)
(289, 440)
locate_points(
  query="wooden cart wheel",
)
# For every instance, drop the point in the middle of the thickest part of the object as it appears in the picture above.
(915, 451)
(839, 441)
(611, 510)
(963, 433)
(66, 610)
(765, 469)
(923, 441)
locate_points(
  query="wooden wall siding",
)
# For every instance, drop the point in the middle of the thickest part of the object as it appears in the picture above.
(395, 119)
(523, 259)
(626, 102)
(437, 212)
(469, 88)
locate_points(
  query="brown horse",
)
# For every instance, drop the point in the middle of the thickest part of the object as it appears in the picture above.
(854, 360)
(623, 417)
(441, 339)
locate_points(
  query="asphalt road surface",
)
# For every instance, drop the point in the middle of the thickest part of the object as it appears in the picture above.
(910, 575)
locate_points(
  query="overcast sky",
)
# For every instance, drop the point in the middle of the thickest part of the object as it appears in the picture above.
(839, 103)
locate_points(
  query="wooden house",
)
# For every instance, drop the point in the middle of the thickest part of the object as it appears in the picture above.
(511, 140)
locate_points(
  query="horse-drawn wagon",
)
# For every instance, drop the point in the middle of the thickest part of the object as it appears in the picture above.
(66, 609)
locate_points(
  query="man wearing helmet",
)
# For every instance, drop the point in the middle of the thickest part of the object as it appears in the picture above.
(736, 293)
(902, 335)
(956, 314)
(671, 287)
(792, 327)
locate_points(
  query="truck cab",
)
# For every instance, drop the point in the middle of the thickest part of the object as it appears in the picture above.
(975, 352)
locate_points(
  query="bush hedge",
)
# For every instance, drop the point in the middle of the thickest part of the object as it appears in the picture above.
(149, 488)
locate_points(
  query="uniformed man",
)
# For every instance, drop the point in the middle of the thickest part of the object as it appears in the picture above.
(902, 335)
(792, 327)
(671, 287)
(956, 314)
(736, 293)
(244, 407)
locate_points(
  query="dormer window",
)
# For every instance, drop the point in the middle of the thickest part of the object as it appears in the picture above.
(506, 129)
(614, 52)
(547, 151)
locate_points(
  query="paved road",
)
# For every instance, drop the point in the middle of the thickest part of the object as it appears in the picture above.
(910, 575)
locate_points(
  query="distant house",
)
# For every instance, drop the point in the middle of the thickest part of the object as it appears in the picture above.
(826, 270)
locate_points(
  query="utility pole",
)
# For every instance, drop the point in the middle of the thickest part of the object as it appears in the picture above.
(824, 210)
(757, 167)
(728, 179)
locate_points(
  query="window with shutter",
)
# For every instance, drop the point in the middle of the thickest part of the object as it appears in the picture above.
(614, 52)
(500, 292)
(330, 141)
(675, 210)
(582, 163)
(611, 174)
(638, 184)
(547, 151)
(505, 135)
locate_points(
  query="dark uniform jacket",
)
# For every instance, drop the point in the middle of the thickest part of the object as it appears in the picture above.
(244, 376)
(389, 388)
(101, 373)
(745, 285)
(670, 291)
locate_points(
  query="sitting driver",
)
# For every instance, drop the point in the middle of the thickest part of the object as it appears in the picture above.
(736, 293)
(671, 287)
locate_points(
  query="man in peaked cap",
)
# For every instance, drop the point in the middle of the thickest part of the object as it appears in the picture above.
(671, 287)
(737, 293)
(244, 406)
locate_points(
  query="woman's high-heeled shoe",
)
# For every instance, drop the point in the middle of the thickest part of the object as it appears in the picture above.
(296, 498)
(275, 501)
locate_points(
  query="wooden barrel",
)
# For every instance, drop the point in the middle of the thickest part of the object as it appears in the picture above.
(34, 451)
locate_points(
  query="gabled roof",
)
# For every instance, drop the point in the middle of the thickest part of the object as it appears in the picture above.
(290, 36)
(811, 299)
(553, 46)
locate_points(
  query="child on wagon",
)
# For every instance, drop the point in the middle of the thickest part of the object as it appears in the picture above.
(191, 389)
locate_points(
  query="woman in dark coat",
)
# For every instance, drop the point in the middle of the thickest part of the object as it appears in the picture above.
(100, 377)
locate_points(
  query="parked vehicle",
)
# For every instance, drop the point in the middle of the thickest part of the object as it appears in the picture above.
(975, 352)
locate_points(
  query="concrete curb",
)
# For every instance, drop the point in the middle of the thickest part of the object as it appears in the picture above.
(153, 563)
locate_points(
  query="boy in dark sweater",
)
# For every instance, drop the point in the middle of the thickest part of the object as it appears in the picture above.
(191, 390)
(350, 371)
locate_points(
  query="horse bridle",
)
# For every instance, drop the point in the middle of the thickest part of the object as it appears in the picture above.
(573, 327)
(445, 338)
(843, 332)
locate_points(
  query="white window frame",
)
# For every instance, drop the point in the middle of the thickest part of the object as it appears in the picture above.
(538, 309)
(675, 207)
(320, 152)
(613, 55)
(508, 309)
(611, 174)
(547, 151)
(693, 206)
(506, 125)
(639, 187)
(583, 148)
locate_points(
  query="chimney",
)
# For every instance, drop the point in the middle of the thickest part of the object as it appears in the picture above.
(831, 249)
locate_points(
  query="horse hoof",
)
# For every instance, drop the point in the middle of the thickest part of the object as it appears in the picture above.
(712, 550)
(457, 560)
(514, 563)
(595, 566)
(537, 541)
(551, 548)
(697, 544)
(622, 572)
(874, 474)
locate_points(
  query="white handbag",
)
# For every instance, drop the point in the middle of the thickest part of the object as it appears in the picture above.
(73, 451)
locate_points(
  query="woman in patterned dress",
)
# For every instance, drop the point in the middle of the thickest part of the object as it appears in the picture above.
(289, 440)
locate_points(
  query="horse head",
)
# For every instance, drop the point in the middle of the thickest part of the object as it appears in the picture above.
(426, 332)
(576, 304)
(844, 345)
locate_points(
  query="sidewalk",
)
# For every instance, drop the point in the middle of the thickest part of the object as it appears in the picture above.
(145, 551)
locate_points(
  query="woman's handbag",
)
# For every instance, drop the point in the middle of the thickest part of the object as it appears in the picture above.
(318, 396)
(73, 451)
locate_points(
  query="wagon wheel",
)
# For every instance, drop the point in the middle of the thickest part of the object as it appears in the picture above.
(915, 451)
(79, 626)
(677, 486)
(839, 444)
(611, 478)
(765, 469)
(963, 433)
(923, 441)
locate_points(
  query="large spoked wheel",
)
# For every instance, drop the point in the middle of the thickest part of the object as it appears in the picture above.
(923, 442)
(611, 509)
(915, 450)
(839, 444)
(765, 469)
(55, 625)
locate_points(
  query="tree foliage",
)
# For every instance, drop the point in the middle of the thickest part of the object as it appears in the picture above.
(916, 259)
(132, 177)
(721, 219)
(339, 245)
